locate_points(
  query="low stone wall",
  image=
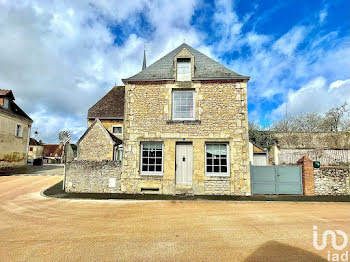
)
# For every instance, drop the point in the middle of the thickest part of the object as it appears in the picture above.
(87, 176)
(217, 187)
(332, 180)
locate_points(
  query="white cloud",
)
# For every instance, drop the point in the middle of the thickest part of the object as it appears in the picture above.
(287, 43)
(60, 57)
(323, 14)
(315, 96)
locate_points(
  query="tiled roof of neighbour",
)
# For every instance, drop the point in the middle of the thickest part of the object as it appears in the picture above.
(6, 92)
(34, 142)
(111, 106)
(15, 110)
(52, 151)
(205, 68)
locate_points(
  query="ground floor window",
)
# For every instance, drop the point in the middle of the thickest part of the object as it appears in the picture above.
(151, 157)
(216, 162)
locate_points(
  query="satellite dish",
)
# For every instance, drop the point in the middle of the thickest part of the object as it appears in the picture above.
(64, 136)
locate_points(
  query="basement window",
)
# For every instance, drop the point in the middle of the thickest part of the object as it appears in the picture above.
(152, 158)
(183, 69)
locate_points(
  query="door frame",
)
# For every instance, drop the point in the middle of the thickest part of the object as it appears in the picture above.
(192, 170)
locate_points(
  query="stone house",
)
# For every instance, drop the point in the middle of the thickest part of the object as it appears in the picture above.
(184, 130)
(36, 149)
(15, 127)
(106, 145)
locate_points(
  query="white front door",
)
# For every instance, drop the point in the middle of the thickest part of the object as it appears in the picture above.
(184, 164)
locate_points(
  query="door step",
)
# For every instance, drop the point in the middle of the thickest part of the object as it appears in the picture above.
(184, 190)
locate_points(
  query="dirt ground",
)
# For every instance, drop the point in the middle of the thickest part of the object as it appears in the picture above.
(37, 228)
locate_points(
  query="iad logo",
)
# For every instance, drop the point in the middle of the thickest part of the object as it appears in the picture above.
(344, 240)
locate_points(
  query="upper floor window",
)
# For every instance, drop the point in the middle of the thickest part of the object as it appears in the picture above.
(6, 103)
(183, 105)
(19, 130)
(183, 69)
(117, 130)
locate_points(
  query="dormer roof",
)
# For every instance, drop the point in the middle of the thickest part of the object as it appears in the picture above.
(205, 68)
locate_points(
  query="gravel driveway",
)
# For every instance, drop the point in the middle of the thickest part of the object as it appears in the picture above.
(36, 228)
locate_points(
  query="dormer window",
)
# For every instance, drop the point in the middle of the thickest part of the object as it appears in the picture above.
(183, 69)
(6, 103)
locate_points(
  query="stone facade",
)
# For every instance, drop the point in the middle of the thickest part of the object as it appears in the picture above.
(109, 124)
(13, 149)
(96, 144)
(220, 116)
(332, 180)
(92, 176)
(35, 151)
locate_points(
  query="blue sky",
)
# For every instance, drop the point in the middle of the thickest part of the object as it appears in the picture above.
(60, 57)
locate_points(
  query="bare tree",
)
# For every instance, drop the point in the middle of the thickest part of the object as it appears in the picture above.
(333, 118)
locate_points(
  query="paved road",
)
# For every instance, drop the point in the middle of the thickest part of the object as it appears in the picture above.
(30, 170)
(35, 228)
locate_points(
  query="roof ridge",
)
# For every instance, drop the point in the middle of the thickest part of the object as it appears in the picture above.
(205, 68)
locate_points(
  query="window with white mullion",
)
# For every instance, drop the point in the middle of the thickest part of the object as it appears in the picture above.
(217, 159)
(183, 105)
(152, 157)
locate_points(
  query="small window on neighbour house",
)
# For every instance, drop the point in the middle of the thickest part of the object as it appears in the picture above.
(151, 157)
(117, 130)
(118, 153)
(217, 159)
(183, 69)
(6, 103)
(19, 130)
(30, 149)
(183, 105)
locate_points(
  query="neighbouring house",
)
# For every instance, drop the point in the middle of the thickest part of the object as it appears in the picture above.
(184, 129)
(332, 148)
(110, 111)
(15, 127)
(54, 153)
(36, 149)
(258, 156)
(98, 143)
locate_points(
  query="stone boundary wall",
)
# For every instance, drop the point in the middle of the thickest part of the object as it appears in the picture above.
(325, 156)
(332, 180)
(314, 140)
(88, 176)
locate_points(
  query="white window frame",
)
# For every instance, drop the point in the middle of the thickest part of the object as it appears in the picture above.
(186, 76)
(194, 104)
(151, 173)
(117, 133)
(21, 130)
(227, 174)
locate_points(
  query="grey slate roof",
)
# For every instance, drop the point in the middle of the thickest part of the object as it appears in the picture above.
(205, 68)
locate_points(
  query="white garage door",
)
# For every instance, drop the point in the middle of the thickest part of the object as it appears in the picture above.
(259, 160)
